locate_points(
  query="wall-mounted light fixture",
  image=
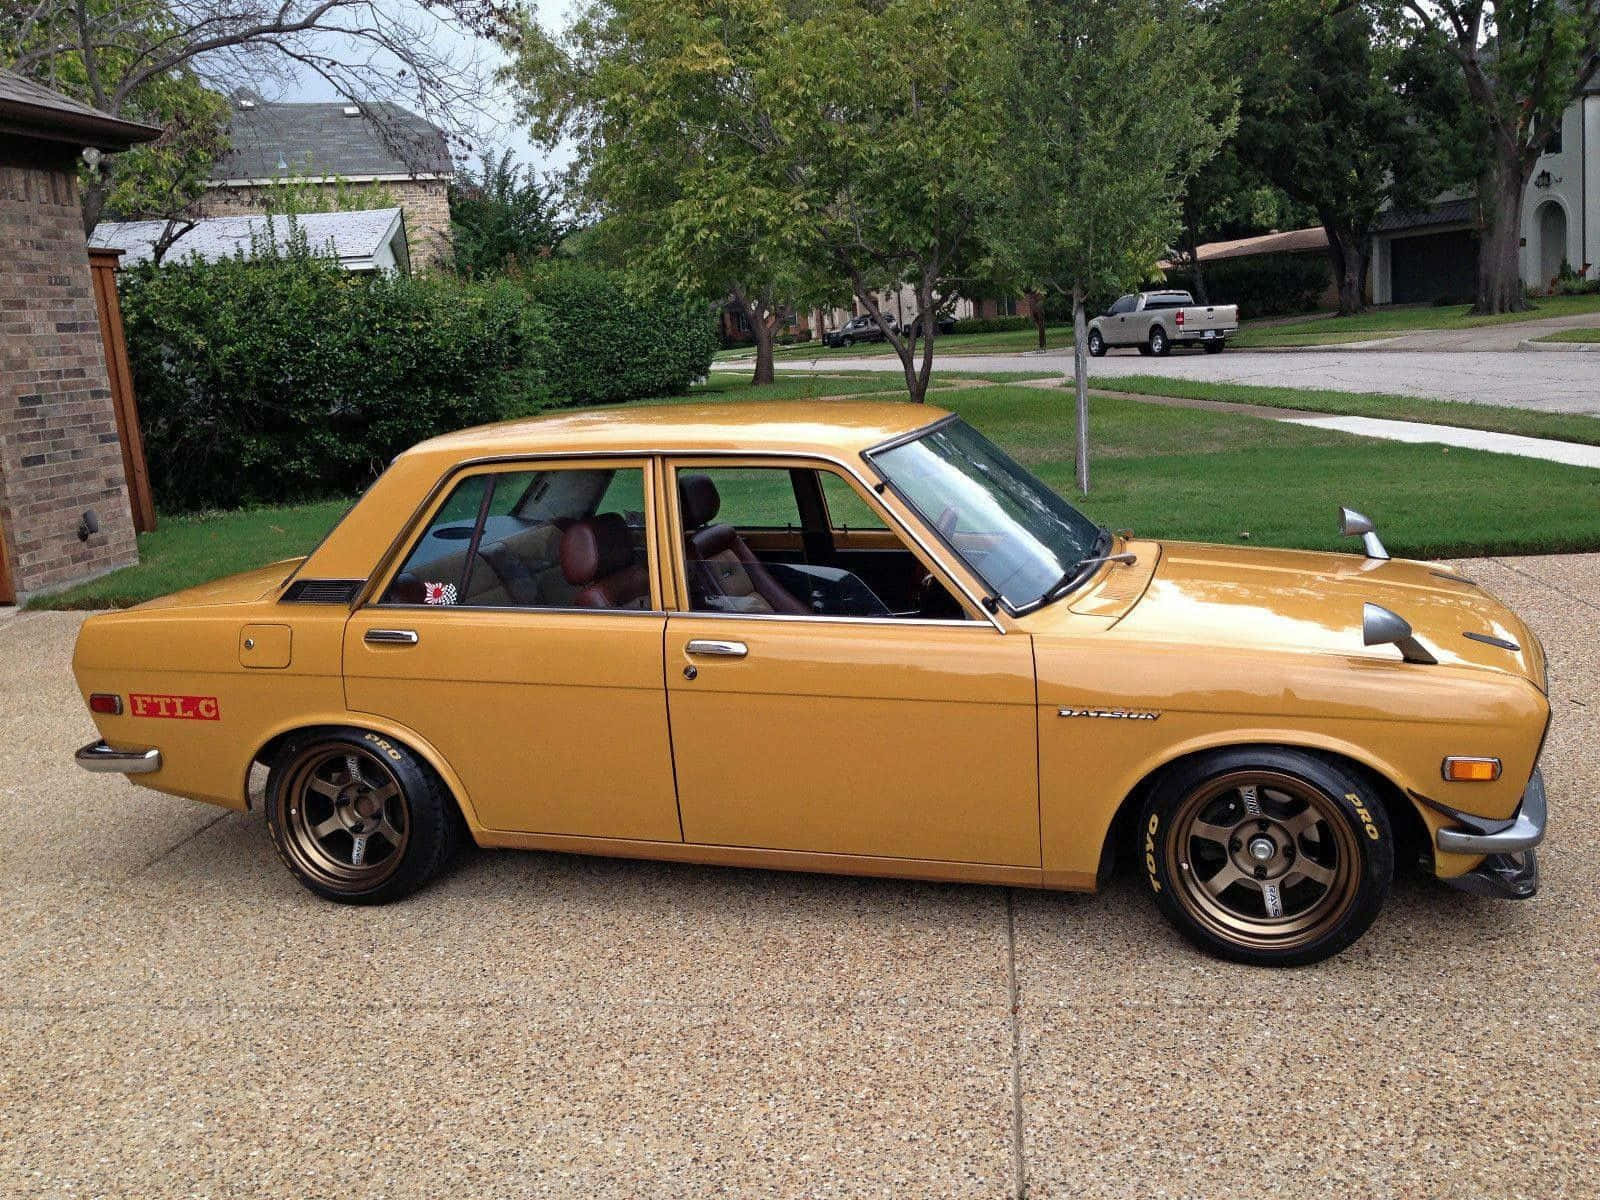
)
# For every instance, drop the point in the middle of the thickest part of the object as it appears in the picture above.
(1542, 179)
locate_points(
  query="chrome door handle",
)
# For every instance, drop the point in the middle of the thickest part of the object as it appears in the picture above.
(717, 649)
(390, 637)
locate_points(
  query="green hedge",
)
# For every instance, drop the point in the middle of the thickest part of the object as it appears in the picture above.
(284, 378)
(290, 379)
(608, 345)
(1264, 285)
(989, 325)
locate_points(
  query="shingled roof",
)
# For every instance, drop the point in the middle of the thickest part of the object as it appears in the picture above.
(354, 238)
(271, 141)
(29, 110)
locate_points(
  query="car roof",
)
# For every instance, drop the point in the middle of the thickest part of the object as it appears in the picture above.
(830, 428)
(835, 429)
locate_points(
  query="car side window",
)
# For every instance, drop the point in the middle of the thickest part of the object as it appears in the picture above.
(1125, 304)
(748, 550)
(558, 538)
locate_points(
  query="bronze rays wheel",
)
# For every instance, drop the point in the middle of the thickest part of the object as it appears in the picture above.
(1267, 856)
(357, 817)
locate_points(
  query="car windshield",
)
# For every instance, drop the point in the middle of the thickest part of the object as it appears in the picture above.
(1024, 541)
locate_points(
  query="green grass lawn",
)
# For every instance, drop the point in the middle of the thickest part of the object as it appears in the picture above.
(1164, 472)
(1399, 319)
(1572, 335)
(184, 551)
(1565, 427)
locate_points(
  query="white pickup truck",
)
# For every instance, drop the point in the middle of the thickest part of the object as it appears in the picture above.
(1155, 322)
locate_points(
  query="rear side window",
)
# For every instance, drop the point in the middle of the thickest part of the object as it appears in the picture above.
(561, 538)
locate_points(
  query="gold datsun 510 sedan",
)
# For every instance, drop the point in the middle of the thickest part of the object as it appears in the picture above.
(850, 637)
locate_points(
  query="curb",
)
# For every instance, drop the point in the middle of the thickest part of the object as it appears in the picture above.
(1562, 347)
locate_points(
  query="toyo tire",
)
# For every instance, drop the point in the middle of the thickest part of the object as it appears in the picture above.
(359, 818)
(1267, 855)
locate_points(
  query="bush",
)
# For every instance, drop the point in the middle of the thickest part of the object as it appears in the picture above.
(286, 378)
(607, 345)
(1263, 285)
(990, 325)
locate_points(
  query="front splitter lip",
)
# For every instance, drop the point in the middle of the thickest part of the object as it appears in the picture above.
(1502, 877)
(1475, 835)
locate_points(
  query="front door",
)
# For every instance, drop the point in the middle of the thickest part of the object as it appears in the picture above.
(797, 727)
(520, 635)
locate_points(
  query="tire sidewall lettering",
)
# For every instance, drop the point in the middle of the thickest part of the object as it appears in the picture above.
(1150, 852)
(1363, 816)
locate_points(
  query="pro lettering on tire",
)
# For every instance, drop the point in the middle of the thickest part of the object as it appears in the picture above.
(1267, 855)
(359, 818)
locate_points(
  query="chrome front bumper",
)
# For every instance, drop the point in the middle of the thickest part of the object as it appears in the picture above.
(99, 757)
(1510, 869)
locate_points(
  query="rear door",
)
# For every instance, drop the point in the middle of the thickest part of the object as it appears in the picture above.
(550, 711)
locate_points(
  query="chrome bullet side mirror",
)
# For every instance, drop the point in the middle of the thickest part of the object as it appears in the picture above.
(1354, 524)
(1380, 627)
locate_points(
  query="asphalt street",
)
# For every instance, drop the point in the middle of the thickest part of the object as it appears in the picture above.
(178, 1017)
(1550, 382)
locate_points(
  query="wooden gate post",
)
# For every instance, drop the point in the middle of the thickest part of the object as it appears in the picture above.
(104, 267)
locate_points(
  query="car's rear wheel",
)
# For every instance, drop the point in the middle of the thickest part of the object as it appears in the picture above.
(359, 818)
(1097, 344)
(1268, 856)
(1159, 345)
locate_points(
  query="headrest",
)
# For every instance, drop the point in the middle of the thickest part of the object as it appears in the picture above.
(595, 547)
(699, 500)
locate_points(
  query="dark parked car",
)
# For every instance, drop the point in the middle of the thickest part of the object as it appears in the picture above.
(943, 323)
(857, 329)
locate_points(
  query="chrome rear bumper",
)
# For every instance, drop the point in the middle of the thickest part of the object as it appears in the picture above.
(99, 757)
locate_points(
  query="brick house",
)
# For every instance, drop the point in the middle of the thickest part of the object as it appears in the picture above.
(334, 146)
(64, 508)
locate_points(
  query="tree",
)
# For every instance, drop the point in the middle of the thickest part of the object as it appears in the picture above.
(1225, 199)
(1323, 115)
(662, 100)
(774, 150)
(1111, 106)
(129, 57)
(499, 217)
(1523, 62)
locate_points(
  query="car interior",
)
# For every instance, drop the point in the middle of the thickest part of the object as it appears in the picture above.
(534, 539)
(761, 540)
(779, 549)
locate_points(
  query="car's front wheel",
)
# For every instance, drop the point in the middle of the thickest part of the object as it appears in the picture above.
(847, 340)
(1097, 344)
(1268, 856)
(359, 818)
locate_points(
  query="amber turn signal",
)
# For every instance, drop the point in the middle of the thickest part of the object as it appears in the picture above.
(1472, 770)
(106, 702)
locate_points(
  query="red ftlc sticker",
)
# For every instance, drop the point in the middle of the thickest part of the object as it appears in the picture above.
(179, 708)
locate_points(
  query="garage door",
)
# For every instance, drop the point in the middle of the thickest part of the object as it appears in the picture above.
(1426, 267)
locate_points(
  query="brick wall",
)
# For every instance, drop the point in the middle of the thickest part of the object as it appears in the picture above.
(59, 453)
(426, 203)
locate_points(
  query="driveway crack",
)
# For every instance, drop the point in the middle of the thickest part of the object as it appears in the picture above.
(1019, 1166)
(181, 842)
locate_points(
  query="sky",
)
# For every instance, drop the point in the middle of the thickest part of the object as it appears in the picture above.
(499, 130)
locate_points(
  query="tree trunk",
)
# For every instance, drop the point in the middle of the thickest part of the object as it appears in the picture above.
(1036, 311)
(1080, 371)
(1192, 237)
(755, 315)
(1500, 287)
(904, 347)
(1347, 252)
(93, 198)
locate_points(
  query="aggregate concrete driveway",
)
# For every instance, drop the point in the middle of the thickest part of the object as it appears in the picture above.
(178, 1018)
(1543, 382)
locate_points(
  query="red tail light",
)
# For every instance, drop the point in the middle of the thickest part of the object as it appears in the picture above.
(1179, 318)
(107, 703)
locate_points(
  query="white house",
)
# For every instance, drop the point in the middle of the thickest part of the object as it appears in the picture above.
(368, 240)
(1422, 256)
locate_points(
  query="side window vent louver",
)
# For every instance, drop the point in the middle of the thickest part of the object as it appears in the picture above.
(322, 591)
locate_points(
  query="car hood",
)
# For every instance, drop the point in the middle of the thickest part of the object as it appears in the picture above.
(1305, 601)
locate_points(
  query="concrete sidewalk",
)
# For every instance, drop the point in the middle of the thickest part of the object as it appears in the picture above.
(177, 1017)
